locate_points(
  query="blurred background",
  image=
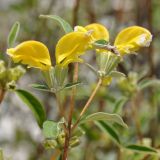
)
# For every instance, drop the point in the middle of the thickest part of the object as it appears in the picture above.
(20, 136)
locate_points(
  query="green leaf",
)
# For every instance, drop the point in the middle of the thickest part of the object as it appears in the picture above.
(117, 74)
(148, 83)
(101, 116)
(65, 25)
(34, 104)
(13, 34)
(101, 42)
(140, 148)
(119, 104)
(71, 85)
(50, 129)
(41, 87)
(109, 130)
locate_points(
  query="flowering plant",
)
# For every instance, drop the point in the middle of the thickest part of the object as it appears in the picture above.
(64, 134)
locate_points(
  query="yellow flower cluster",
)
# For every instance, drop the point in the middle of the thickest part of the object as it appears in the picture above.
(72, 45)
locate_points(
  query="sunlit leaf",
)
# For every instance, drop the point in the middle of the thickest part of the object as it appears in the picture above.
(65, 25)
(13, 34)
(50, 129)
(34, 104)
(101, 116)
(117, 74)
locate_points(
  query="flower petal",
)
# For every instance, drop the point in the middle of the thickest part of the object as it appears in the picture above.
(71, 60)
(132, 39)
(33, 53)
(99, 31)
(72, 45)
(79, 29)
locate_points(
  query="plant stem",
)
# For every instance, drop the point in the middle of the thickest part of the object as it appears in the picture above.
(72, 99)
(2, 93)
(88, 103)
(75, 78)
(60, 107)
(71, 109)
(107, 47)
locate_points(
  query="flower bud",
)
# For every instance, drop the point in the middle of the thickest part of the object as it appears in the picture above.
(2, 70)
(11, 85)
(15, 73)
(50, 144)
(61, 139)
(74, 142)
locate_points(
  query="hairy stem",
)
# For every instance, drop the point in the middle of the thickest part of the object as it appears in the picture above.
(71, 109)
(60, 107)
(88, 103)
(72, 99)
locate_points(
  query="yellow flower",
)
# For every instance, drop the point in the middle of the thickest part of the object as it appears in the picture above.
(98, 31)
(72, 45)
(33, 53)
(131, 39)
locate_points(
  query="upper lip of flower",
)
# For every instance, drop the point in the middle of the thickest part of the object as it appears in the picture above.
(74, 44)
(33, 53)
(128, 40)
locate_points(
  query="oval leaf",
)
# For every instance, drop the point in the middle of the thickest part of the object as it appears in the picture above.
(65, 25)
(117, 74)
(34, 104)
(109, 130)
(140, 148)
(41, 87)
(101, 42)
(13, 34)
(50, 129)
(71, 85)
(101, 116)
